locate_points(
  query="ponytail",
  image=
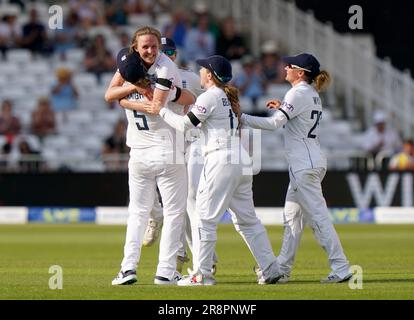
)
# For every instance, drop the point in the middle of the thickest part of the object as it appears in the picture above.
(322, 81)
(232, 94)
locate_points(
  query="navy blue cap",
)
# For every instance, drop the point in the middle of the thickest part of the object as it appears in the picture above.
(130, 65)
(167, 44)
(219, 66)
(305, 61)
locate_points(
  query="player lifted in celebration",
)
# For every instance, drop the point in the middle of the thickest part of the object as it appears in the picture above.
(191, 82)
(299, 114)
(223, 183)
(152, 156)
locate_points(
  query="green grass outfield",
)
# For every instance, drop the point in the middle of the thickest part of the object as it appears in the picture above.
(90, 256)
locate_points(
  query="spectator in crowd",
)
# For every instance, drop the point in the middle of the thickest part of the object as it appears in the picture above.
(178, 28)
(64, 94)
(34, 36)
(405, 159)
(230, 44)
(200, 9)
(67, 37)
(43, 119)
(125, 40)
(199, 41)
(9, 124)
(250, 81)
(98, 58)
(116, 13)
(380, 138)
(137, 6)
(5, 153)
(10, 33)
(30, 160)
(114, 147)
(86, 9)
(272, 66)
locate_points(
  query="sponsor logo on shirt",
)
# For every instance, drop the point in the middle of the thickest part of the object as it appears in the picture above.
(201, 109)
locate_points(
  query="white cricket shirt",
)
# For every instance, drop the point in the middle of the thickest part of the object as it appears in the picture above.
(299, 114)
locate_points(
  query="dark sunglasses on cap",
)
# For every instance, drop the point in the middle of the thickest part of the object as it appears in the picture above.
(293, 66)
(170, 52)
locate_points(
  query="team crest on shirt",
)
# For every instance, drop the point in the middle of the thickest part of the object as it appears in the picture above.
(287, 106)
(201, 109)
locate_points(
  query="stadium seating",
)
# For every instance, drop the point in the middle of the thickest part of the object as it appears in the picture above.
(81, 132)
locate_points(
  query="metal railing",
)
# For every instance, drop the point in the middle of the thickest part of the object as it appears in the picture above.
(340, 160)
(364, 82)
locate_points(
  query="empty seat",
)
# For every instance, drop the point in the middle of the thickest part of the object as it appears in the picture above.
(85, 82)
(21, 56)
(80, 117)
(9, 8)
(163, 19)
(10, 69)
(140, 19)
(109, 116)
(277, 91)
(69, 128)
(38, 69)
(75, 55)
(100, 129)
(57, 142)
(106, 78)
(106, 31)
(14, 93)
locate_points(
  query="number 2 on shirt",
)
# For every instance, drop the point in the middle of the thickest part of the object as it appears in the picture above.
(318, 115)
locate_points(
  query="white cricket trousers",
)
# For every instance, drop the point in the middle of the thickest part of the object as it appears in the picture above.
(305, 204)
(222, 186)
(195, 164)
(171, 180)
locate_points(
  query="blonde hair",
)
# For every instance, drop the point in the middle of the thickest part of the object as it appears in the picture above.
(141, 32)
(322, 80)
(232, 94)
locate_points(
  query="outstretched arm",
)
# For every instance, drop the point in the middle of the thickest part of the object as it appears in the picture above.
(181, 123)
(274, 122)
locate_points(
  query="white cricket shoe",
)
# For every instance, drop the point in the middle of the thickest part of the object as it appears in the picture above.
(165, 281)
(152, 233)
(275, 277)
(124, 278)
(197, 279)
(334, 278)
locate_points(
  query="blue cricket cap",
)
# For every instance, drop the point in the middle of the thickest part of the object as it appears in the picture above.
(167, 44)
(130, 65)
(219, 66)
(305, 61)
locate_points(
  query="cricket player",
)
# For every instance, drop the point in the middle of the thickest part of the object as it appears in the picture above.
(299, 114)
(191, 82)
(223, 183)
(153, 157)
